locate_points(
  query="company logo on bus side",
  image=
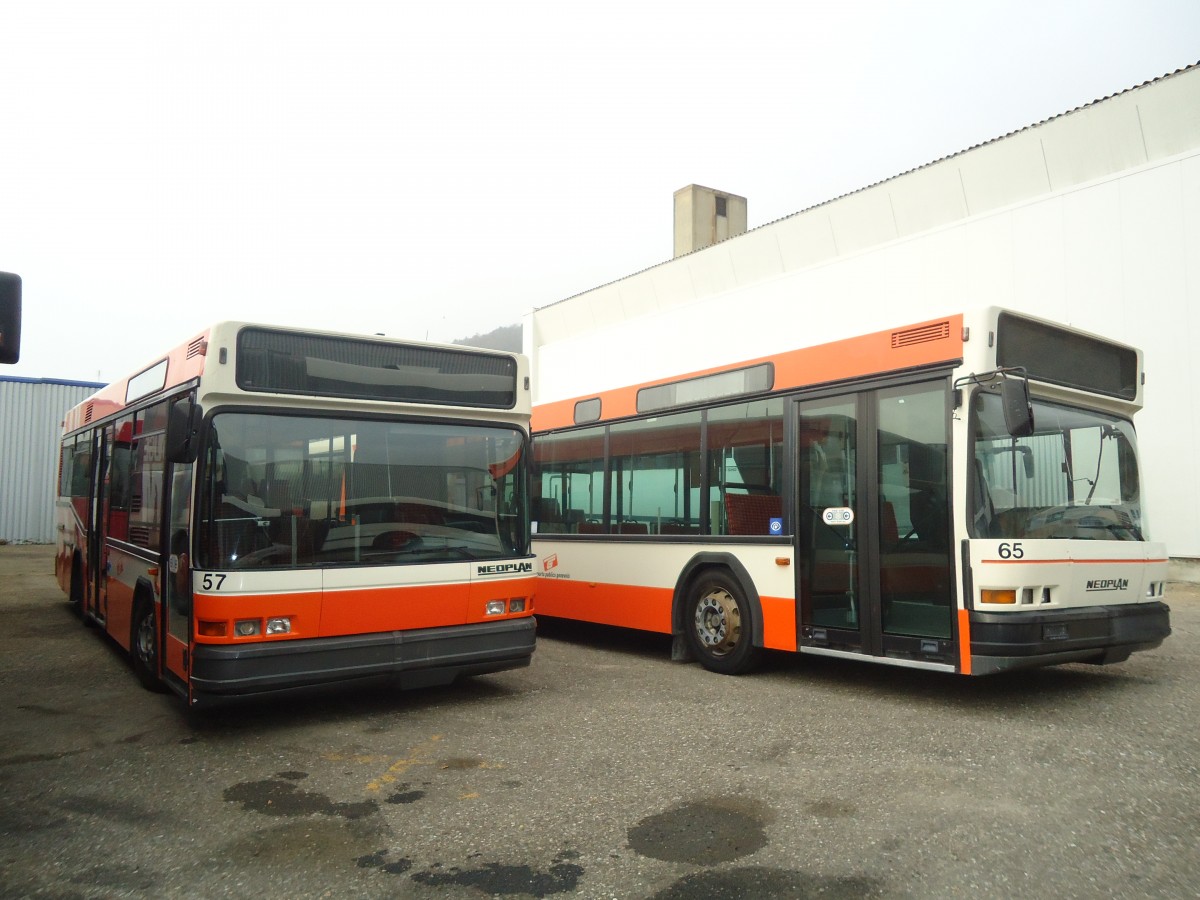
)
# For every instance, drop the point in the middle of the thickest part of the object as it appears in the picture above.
(522, 568)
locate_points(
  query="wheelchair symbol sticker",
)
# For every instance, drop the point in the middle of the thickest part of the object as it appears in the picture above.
(776, 526)
(838, 515)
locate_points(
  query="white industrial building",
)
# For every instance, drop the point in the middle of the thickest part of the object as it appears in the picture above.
(31, 417)
(1091, 218)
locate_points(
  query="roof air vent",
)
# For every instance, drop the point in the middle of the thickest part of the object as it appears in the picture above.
(925, 333)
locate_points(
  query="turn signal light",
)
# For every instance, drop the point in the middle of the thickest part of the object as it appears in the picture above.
(211, 629)
(988, 596)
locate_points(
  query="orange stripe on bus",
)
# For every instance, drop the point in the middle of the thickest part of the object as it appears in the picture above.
(964, 642)
(181, 367)
(853, 357)
(779, 623)
(629, 606)
(365, 610)
(648, 609)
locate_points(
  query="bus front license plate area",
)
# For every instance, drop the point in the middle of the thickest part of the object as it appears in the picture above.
(1055, 632)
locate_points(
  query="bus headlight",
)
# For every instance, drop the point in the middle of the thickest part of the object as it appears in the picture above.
(279, 625)
(495, 608)
(246, 627)
(516, 605)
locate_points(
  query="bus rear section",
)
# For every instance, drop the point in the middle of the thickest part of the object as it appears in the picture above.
(265, 510)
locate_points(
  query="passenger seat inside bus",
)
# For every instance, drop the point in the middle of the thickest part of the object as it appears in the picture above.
(752, 513)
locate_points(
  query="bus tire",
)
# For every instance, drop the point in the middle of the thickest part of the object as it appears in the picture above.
(717, 624)
(75, 598)
(143, 645)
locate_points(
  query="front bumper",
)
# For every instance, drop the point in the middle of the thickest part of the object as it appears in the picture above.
(1094, 634)
(421, 658)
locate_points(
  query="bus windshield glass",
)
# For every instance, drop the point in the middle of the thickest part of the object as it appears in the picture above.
(283, 491)
(1076, 477)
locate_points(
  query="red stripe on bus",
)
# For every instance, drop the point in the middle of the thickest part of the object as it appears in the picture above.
(1046, 562)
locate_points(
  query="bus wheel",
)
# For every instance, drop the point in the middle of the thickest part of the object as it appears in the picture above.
(143, 645)
(718, 625)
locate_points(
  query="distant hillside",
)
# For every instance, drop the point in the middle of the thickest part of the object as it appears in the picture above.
(506, 337)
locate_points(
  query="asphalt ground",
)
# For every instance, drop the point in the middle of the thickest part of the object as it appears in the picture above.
(603, 770)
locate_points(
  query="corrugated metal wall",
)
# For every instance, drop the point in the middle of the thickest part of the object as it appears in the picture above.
(31, 414)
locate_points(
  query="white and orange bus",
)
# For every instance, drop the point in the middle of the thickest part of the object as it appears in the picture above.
(265, 509)
(960, 494)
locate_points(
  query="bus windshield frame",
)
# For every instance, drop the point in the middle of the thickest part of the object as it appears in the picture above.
(1075, 478)
(282, 490)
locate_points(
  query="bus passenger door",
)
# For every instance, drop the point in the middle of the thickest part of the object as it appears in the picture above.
(829, 513)
(875, 570)
(95, 594)
(177, 576)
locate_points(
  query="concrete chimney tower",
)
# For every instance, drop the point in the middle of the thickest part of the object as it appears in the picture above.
(704, 216)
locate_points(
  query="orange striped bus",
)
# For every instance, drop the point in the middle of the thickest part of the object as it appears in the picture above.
(267, 509)
(960, 494)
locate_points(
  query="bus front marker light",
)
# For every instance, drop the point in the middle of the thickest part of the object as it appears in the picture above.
(206, 628)
(516, 605)
(246, 627)
(279, 625)
(495, 608)
(994, 596)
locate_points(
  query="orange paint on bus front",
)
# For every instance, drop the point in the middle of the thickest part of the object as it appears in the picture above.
(362, 611)
(964, 642)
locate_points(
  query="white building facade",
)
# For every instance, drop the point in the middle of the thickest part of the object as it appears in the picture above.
(1091, 218)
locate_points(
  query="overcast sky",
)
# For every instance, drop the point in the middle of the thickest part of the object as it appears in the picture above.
(435, 170)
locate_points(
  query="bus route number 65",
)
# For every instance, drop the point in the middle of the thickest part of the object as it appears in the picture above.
(1011, 551)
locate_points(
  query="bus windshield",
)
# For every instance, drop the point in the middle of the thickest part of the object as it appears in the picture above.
(1075, 477)
(282, 491)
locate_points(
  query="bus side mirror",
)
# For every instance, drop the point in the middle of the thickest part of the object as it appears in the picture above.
(183, 431)
(1018, 412)
(10, 318)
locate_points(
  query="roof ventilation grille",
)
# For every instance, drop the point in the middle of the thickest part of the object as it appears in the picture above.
(925, 333)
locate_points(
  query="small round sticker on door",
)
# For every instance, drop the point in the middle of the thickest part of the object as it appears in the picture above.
(838, 515)
(776, 526)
